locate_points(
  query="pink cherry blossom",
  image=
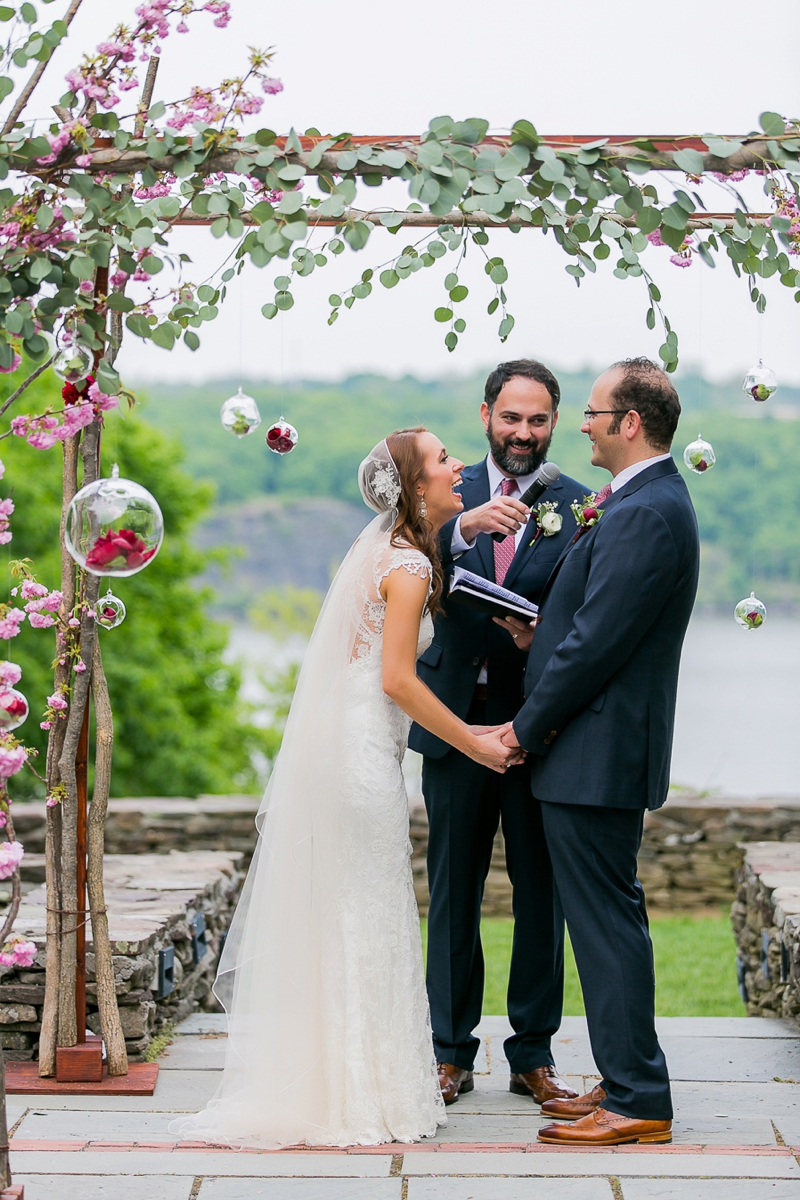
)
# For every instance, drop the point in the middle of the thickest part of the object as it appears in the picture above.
(10, 623)
(41, 620)
(57, 702)
(53, 602)
(10, 674)
(271, 86)
(118, 279)
(31, 590)
(15, 361)
(18, 952)
(80, 667)
(12, 759)
(86, 287)
(45, 724)
(681, 260)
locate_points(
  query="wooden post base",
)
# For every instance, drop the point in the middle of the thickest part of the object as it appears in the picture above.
(82, 1063)
(14, 1191)
(23, 1079)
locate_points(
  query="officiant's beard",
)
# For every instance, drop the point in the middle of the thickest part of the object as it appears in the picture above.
(517, 464)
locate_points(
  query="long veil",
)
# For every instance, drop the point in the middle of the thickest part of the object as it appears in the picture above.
(286, 947)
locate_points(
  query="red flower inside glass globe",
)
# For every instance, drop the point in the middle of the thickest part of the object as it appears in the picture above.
(281, 437)
(120, 548)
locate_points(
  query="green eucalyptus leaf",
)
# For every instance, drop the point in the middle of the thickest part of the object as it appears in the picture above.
(164, 335)
(284, 301)
(459, 293)
(347, 160)
(443, 314)
(117, 302)
(451, 340)
(772, 124)
(157, 110)
(191, 339)
(690, 161)
(39, 269)
(270, 311)
(357, 234)
(505, 327)
(389, 278)
(460, 325)
(139, 325)
(722, 147)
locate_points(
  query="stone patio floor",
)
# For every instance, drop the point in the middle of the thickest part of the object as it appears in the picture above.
(736, 1085)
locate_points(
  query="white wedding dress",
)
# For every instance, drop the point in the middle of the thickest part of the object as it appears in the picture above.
(329, 1037)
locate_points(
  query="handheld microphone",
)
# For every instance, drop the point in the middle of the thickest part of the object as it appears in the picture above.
(546, 476)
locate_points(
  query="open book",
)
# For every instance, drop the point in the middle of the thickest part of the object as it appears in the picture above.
(477, 592)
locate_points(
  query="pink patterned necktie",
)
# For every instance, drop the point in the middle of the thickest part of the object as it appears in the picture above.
(602, 495)
(504, 551)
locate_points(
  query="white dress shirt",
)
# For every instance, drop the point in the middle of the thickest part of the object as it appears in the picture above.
(496, 477)
(630, 473)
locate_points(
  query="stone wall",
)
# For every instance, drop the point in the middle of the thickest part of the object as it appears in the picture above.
(157, 907)
(688, 858)
(766, 922)
(689, 855)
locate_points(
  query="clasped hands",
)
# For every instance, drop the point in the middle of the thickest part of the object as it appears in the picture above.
(498, 747)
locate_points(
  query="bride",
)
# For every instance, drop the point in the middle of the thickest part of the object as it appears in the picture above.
(329, 1037)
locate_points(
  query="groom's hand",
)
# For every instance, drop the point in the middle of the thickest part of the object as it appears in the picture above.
(490, 750)
(504, 515)
(521, 631)
(509, 738)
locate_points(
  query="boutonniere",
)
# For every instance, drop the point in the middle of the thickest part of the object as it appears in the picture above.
(548, 521)
(586, 512)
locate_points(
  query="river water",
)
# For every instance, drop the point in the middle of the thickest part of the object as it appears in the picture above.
(737, 727)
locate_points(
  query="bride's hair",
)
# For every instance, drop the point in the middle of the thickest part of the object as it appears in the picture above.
(411, 526)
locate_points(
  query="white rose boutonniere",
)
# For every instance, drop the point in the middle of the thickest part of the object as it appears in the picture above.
(548, 521)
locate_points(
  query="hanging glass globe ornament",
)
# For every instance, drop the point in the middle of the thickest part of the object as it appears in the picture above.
(281, 437)
(750, 613)
(73, 363)
(114, 527)
(699, 456)
(13, 709)
(110, 611)
(240, 415)
(760, 382)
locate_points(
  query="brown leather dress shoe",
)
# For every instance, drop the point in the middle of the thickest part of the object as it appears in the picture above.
(453, 1080)
(604, 1128)
(543, 1084)
(573, 1110)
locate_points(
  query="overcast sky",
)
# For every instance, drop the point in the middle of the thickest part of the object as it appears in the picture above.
(623, 67)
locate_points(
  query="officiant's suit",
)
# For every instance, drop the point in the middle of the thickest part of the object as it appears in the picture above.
(601, 683)
(466, 802)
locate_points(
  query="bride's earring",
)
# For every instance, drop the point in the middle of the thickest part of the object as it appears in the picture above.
(423, 508)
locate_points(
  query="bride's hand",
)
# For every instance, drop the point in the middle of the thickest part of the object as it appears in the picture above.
(489, 750)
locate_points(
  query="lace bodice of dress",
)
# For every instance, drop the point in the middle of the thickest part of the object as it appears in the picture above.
(369, 635)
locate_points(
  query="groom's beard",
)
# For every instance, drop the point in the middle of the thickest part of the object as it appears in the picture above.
(517, 464)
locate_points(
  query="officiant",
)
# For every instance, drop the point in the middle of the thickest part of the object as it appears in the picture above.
(477, 669)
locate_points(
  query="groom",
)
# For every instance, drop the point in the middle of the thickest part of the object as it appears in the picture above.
(597, 723)
(475, 669)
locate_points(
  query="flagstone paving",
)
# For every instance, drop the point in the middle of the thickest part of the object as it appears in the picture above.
(736, 1135)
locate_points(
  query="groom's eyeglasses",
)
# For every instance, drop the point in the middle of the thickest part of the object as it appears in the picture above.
(588, 413)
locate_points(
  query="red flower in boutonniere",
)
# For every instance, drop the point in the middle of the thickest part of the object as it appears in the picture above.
(586, 513)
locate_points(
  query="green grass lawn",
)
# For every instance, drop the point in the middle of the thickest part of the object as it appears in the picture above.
(695, 967)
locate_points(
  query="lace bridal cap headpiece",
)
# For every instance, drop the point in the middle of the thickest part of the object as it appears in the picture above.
(379, 479)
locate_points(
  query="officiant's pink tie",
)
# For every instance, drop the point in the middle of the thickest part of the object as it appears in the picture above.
(504, 551)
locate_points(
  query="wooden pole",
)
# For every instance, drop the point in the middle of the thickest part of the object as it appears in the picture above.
(82, 780)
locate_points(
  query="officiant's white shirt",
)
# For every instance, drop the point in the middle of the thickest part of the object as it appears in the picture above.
(496, 477)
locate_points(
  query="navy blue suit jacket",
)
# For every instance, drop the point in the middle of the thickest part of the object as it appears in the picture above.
(465, 638)
(602, 672)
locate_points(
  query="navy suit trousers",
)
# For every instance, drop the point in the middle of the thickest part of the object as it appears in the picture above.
(593, 851)
(465, 803)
